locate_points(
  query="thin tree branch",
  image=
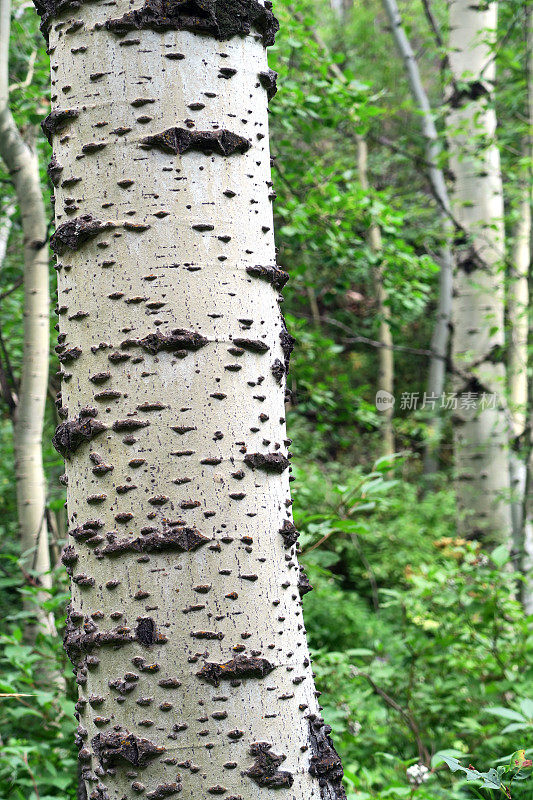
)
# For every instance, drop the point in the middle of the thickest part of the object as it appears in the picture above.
(14, 288)
(29, 75)
(368, 567)
(407, 717)
(416, 351)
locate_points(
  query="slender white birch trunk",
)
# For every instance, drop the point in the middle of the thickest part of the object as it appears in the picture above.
(185, 625)
(526, 543)
(441, 331)
(385, 381)
(21, 162)
(481, 434)
(518, 303)
(5, 229)
(518, 313)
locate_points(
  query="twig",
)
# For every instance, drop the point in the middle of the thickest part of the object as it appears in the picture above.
(433, 24)
(320, 541)
(29, 75)
(368, 567)
(423, 753)
(14, 288)
(416, 351)
(35, 788)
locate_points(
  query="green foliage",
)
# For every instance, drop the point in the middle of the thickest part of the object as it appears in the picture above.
(429, 643)
(322, 221)
(37, 753)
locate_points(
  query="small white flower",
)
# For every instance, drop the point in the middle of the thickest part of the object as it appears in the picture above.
(417, 774)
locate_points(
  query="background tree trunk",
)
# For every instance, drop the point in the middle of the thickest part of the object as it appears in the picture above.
(441, 331)
(481, 435)
(526, 543)
(385, 381)
(21, 161)
(185, 625)
(518, 313)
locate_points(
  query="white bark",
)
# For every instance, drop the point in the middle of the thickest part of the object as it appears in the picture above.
(21, 162)
(518, 313)
(341, 8)
(441, 331)
(518, 304)
(527, 540)
(174, 352)
(5, 229)
(385, 381)
(481, 435)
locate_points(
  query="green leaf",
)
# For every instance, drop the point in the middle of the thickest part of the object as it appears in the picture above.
(500, 555)
(490, 779)
(515, 726)
(527, 708)
(439, 757)
(506, 713)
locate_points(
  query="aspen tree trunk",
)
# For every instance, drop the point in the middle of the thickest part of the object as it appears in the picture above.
(385, 382)
(341, 8)
(441, 331)
(5, 230)
(21, 162)
(526, 548)
(480, 434)
(518, 312)
(185, 626)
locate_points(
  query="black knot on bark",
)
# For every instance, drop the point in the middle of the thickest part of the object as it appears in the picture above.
(74, 432)
(465, 92)
(221, 19)
(54, 170)
(264, 771)
(303, 582)
(71, 235)
(267, 79)
(287, 344)
(57, 120)
(178, 339)
(253, 345)
(271, 274)
(325, 763)
(239, 667)
(180, 140)
(277, 369)
(268, 462)
(118, 746)
(289, 534)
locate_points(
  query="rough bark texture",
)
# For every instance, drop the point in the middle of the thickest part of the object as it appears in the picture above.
(28, 416)
(185, 625)
(480, 435)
